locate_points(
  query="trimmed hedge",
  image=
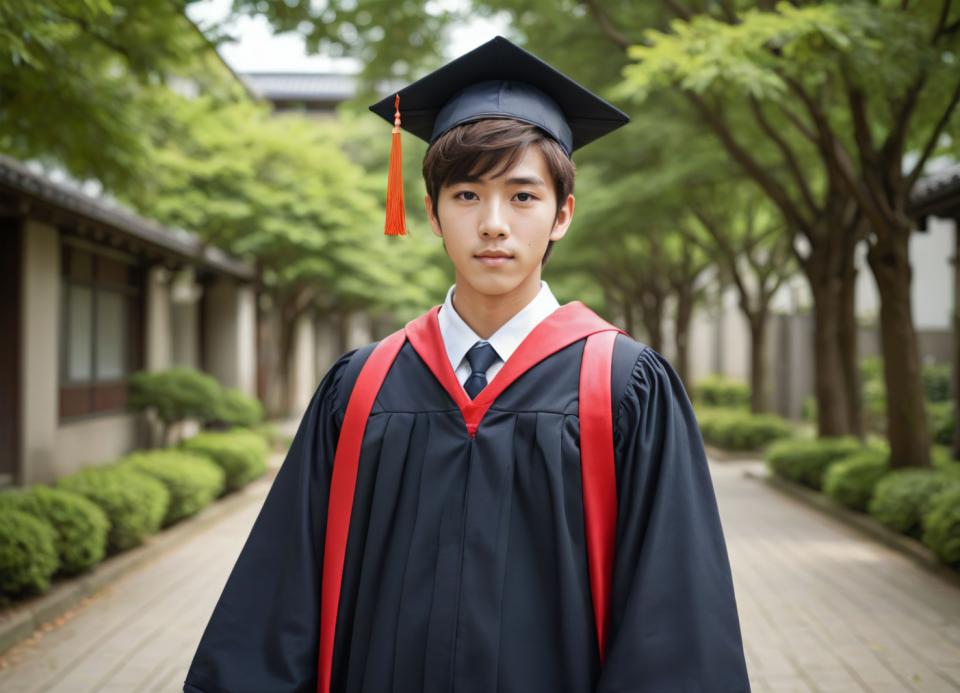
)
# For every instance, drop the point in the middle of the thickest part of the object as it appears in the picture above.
(192, 480)
(806, 461)
(81, 527)
(936, 382)
(175, 394)
(942, 526)
(717, 391)
(242, 454)
(941, 418)
(239, 409)
(734, 429)
(184, 393)
(28, 553)
(851, 480)
(134, 502)
(902, 498)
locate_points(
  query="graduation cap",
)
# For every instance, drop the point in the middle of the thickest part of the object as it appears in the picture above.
(496, 80)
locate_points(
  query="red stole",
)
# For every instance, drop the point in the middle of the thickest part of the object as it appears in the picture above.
(566, 325)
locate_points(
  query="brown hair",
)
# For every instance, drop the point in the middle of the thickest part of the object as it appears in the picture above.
(479, 147)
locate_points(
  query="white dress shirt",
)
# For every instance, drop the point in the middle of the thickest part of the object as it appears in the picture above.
(458, 336)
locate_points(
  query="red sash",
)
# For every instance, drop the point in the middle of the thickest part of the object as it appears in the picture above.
(566, 325)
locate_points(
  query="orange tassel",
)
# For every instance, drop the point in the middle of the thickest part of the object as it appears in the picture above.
(396, 224)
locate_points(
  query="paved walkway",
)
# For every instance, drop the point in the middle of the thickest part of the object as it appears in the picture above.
(822, 609)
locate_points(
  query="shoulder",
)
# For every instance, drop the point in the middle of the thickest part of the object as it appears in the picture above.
(344, 372)
(645, 385)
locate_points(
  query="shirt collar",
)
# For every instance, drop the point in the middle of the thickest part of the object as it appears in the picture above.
(458, 336)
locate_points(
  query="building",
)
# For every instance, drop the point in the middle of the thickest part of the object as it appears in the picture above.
(303, 92)
(92, 293)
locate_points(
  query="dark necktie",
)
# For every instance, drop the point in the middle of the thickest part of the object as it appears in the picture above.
(481, 356)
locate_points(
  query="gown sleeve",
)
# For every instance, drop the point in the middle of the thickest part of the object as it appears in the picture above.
(673, 623)
(263, 635)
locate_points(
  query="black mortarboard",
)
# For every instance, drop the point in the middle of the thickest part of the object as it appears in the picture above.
(496, 80)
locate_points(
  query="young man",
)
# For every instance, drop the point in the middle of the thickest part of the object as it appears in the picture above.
(507, 494)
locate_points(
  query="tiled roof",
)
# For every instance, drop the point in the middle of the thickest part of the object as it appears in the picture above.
(301, 86)
(83, 202)
(935, 184)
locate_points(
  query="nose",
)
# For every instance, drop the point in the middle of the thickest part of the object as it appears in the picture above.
(492, 222)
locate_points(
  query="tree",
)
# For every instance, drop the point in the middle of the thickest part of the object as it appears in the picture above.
(861, 86)
(88, 59)
(750, 244)
(282, 192)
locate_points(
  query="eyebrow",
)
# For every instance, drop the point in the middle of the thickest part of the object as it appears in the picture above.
(525, 180)
(516, 180)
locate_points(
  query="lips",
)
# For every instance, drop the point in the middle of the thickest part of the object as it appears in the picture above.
(494, 254)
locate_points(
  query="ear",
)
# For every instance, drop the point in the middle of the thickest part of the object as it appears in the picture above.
(564, 219)
(432, 217)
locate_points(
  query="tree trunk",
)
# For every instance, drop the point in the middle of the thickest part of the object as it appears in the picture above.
(848, 338)
(829, 379)
(681, 336)
(758, 362)
(956, 338)
(907, 433)
(651, 313)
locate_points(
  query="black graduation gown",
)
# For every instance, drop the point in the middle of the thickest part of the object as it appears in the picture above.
(466, 567)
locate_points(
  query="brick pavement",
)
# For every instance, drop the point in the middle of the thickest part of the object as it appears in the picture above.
(822, 609)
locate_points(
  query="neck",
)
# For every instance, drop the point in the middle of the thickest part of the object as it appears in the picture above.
(485, 314)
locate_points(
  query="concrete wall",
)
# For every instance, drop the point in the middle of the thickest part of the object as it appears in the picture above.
(303, 379)
(932, 289)
(40, 331)
(158, 343)
(230, 334)
(327, 344)
(51, 448)
(95, 440)
(185, 296)
(358, 330)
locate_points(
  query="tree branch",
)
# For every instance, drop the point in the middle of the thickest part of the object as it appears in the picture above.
(679, 9)
(941, 22)
(933, 139)
(606, 25)
(750, 165)
(787, 153)
(838, 159)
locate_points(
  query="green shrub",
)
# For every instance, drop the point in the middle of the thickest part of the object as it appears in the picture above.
(875, 406)
(941, 418)
(239, 409)
(805, 461)
(192, 480)
(809, 408)
(242, 454)
(851, 480)
(717, 391)
(942, 526)
(176, 394)
(735, 429)
(28, 553)
(902, 498)
(936, 382)
(941, 457)
(871, 369)
(81, 527)
(134, 502)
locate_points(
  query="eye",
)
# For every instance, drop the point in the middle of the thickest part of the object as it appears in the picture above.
(525, 197)
(460, 195)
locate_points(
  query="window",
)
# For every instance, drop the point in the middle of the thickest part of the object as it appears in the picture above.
(101, 334)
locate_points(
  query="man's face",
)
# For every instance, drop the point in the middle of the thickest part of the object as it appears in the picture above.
(496, 230)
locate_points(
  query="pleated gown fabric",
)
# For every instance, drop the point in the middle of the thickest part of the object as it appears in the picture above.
(466, 568)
